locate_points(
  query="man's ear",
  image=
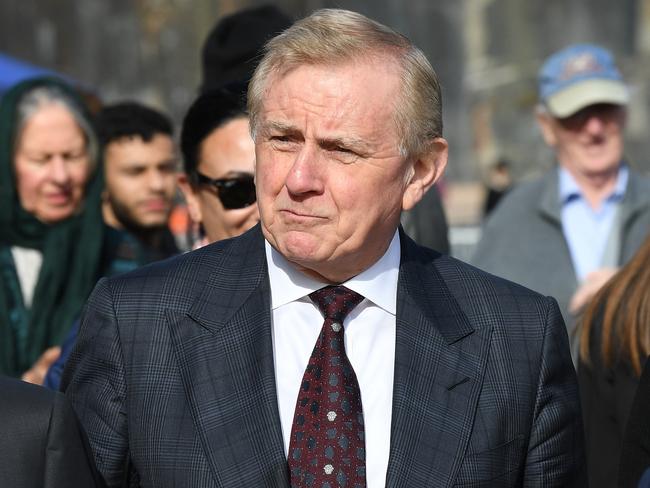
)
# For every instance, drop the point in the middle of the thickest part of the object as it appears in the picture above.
(193, 206)
(545, 122)
(427, 169)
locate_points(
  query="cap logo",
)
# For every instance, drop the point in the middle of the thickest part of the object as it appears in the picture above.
(584, 63)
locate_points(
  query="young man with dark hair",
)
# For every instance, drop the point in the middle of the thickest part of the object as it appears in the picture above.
(140, 185)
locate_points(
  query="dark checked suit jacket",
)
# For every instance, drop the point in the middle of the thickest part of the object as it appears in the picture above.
(173, 376)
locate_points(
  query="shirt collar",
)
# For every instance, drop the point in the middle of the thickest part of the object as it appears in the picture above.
(569, 190)
(378, 283)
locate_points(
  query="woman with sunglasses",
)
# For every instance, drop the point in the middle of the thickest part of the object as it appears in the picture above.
(219, 159)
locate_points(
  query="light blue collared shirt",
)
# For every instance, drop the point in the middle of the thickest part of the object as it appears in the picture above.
(586, 230)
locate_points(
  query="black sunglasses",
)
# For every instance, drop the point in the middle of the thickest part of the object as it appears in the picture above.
(234, 193)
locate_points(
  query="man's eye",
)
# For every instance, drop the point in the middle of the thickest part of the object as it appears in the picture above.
(344, 155)
(283, 143)
(280, 138)
(169, 167)
(345, 152)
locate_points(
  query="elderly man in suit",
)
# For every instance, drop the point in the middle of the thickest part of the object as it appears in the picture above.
(324, 347)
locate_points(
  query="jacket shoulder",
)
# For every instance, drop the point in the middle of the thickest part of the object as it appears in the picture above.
(523, 199)
(16, 395)
(459, 274)
(466, 280)
(185, 273)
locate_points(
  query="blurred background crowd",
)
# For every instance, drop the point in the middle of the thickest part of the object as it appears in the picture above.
(486, 52)
(124, 140)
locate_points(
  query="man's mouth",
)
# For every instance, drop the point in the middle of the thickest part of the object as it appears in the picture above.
(157, 205)
(300, 216)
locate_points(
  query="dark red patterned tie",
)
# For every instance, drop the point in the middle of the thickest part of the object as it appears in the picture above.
(327, 446)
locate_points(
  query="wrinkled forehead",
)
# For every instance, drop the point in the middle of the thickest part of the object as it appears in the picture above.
(351, 101)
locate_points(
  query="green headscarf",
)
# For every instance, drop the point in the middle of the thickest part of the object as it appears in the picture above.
(71, 252)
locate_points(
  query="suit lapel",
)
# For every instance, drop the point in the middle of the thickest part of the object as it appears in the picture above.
(549, 203)
(634, 202)
(225, 355)
(439, 365)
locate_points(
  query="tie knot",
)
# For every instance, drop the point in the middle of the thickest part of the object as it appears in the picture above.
(335, 302)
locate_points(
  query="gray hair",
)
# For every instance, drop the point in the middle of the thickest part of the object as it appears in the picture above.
(42, 95)
(332, 36)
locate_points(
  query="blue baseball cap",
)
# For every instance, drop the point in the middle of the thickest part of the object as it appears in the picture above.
(578, 76)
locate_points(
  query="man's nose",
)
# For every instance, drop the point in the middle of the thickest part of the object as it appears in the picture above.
(594, 124)
(157, 181)
(305, 174)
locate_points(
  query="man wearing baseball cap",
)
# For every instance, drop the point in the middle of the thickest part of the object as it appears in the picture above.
(566, 233)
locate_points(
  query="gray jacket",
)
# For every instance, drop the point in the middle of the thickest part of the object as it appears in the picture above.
(523, 242)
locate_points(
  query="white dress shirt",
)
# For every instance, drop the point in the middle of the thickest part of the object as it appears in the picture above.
(369, 343)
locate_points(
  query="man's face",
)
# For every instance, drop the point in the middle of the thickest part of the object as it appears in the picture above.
(140, 182)
(588, 143)
(330, 179)
(228, 152)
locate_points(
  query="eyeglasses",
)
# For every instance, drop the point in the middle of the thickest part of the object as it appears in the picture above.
(234, 193)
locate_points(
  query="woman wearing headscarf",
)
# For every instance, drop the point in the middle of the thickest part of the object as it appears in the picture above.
(50, 220)
(614, 345)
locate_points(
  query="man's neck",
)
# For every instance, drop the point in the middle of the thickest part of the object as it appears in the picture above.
(150, 237)
(595, 187)
(109, 216)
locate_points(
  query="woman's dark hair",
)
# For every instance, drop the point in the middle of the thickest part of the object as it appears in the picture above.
(623, 306)
(209, 111)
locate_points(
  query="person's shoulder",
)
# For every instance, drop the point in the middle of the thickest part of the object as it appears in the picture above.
(17, 396)
(489, 301)
(639, 176)
(194, 267)
(640, 182)
(523, 198)
(514, 224)
(479, 281)
(465, 279)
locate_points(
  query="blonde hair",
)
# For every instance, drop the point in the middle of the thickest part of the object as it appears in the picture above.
(333, 36)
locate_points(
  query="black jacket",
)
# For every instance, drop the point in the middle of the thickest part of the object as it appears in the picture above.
(42, 444)
(635, 453)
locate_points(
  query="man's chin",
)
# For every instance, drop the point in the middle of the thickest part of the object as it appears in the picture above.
(313, 256)
(298, 244)
(145, 224)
